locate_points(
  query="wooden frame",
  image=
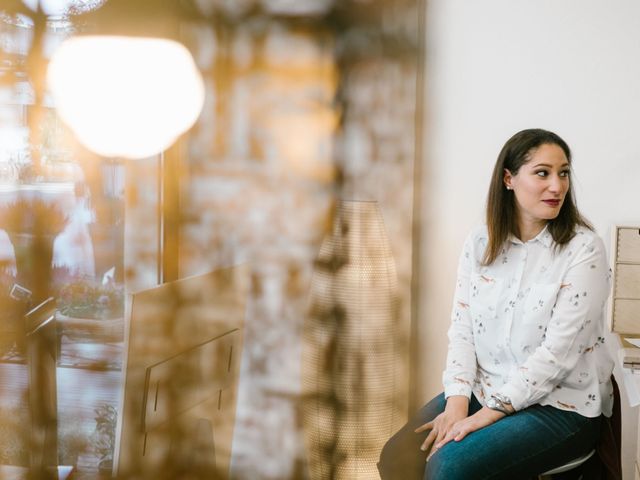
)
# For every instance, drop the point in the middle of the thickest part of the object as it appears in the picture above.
(625, 263)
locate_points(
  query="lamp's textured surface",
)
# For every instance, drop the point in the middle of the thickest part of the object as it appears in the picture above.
(352, 347)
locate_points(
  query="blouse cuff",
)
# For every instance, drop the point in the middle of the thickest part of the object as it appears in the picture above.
(518, 399)
(457, 389)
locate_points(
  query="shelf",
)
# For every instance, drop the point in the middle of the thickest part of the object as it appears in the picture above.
(625, 301)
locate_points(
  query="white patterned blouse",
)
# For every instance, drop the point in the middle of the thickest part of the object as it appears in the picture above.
(530, 326)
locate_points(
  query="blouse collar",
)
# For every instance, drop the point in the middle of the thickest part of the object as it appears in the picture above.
(544, 237)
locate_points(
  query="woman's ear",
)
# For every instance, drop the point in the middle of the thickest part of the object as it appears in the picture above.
(507, 179)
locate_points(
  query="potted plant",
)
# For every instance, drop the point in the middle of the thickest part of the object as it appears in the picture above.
(91, 311)
(105, 435)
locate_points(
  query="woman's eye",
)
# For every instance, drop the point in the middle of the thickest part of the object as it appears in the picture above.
(542, 173)
(564, 173)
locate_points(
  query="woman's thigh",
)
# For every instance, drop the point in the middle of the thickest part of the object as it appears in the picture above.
(519, 446)
(401, 457)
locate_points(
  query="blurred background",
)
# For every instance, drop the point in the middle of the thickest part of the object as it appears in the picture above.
(144, 142)
(341, 150)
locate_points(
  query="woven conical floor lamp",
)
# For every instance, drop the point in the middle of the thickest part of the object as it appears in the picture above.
(351, 347)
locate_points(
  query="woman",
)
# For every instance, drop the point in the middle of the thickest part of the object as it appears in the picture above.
(527, 377)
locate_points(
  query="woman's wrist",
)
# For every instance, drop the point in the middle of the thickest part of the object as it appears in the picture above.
(459, 403)
(491, 414)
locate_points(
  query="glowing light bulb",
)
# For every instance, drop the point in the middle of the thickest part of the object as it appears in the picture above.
(125, 96)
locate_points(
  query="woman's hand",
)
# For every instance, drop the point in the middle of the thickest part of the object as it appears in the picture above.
(460, 429)
(457, 409)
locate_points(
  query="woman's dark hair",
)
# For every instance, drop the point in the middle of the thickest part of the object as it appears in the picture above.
(501, 207)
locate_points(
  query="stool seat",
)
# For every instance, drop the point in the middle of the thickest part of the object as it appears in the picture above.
(569, 465)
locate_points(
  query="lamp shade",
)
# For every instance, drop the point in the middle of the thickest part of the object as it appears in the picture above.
(125, 97)
(351, 347)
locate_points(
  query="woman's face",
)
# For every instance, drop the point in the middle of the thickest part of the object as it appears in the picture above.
(540, 185)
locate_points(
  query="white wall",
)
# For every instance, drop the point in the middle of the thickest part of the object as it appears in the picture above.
(495, 67)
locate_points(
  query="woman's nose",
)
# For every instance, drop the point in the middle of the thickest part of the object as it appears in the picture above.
(556, 184)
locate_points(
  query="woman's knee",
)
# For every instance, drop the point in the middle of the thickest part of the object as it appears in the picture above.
(444, 465)
(401, 456)
(385, 463)
(393, 457)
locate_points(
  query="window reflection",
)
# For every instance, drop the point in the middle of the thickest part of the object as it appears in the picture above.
(61, 235)
(298, 111)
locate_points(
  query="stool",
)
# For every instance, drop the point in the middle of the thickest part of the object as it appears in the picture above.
(567, 466)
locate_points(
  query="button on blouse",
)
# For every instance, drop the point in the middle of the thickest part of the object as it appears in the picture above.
(530, 326)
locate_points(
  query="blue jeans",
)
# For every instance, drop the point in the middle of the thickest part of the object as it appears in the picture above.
(520, 446)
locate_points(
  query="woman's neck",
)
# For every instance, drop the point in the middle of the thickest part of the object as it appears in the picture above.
(529, 230)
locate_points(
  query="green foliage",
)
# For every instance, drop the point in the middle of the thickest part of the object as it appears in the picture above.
(105, 433)
(89, 299)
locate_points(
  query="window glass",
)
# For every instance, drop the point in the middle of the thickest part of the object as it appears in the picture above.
(61, 236)
(307, 107)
